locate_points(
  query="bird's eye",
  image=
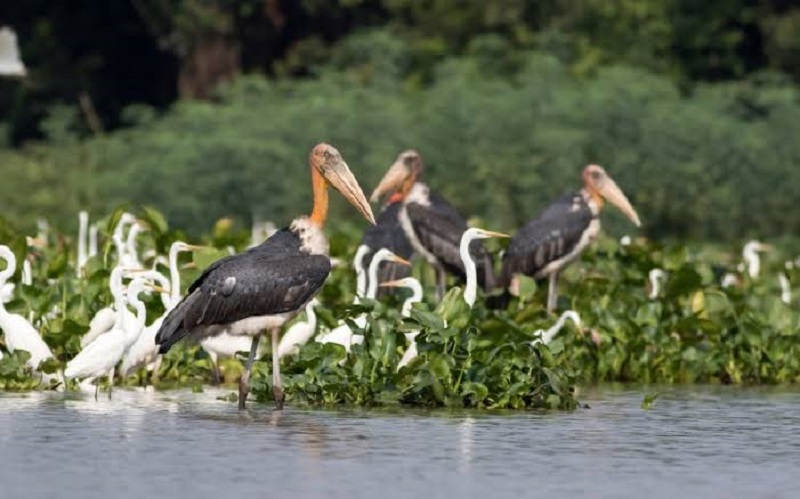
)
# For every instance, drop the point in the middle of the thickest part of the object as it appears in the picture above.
(596, 175)
(408, 161)
(327, 156)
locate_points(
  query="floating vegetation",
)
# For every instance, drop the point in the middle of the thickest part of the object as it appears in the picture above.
(691, 330)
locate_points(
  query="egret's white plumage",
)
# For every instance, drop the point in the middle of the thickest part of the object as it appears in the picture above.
(469, 235)
(546, 336)
(750, 254)
(100, 356)
(786, 289)
(655, 276)
(342, 334)
(103, 320)
(144, 351)
(19, 333)
(83, 253)
(416, 296)
(299, 333)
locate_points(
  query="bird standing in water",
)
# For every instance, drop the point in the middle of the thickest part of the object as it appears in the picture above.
(266, 286)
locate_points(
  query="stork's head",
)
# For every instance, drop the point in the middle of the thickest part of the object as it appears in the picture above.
(601, 186)
(401, 175)
(327, 161)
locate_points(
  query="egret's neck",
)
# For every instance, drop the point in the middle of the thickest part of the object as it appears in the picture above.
(372, 286)
(141, 315)
(174, 275)
(84, 221)
(92, 240)
(416, 297)
(753, 262)
(11, 265)
(320, 186)
(311, 316)
(471, 289)
(361, 275)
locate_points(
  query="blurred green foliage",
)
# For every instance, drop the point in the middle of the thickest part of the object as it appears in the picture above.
(502, 131)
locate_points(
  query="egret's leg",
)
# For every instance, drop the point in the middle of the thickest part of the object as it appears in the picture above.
(440, 283)
(110, 382)
(277, 383)
(96, 390)
(244, 381)
(552, 292)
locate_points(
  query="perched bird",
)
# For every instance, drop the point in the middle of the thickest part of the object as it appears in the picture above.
(786, 288)
(388, 233)
(118, 238)
(101, 356)
(562, 232)
(655, 277)
(752, 258)
(300, 332)
(19, 333)
(431, 224)
(416, 297)
(266, 286)
(469, 235)
(130, 245)
(546, 336)
(10, 61)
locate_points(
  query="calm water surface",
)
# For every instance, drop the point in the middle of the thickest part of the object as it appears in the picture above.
(699, 442)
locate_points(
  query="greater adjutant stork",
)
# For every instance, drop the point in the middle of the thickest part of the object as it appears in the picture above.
(389, 234)
(433, 226)
(559, 235)
(267, 285)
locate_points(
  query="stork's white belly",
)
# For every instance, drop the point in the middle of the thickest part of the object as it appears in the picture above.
(588, 236)
(253, 326)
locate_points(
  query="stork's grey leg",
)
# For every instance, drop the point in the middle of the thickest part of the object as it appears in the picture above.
(552, 292)
(441, 277)
(244, 381)
(277, 383)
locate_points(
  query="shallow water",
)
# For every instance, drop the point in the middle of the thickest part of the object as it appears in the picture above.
(700, 442)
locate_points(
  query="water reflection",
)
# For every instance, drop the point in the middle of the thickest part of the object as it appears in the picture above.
(706, 442)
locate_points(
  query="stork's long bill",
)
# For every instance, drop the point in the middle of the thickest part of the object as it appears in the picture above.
(601, 186)
(329, 169)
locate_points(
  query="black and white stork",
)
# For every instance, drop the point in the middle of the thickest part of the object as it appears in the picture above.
(433, 226)
(266, 286)
(389, 234)
(559, 235)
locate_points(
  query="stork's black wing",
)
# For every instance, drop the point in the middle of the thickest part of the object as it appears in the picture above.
(388, 233)
(552, 236)
(439, 228)
(272, 278)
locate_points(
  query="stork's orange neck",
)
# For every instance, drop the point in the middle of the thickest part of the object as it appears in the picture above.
(320, 186)
(595, 196)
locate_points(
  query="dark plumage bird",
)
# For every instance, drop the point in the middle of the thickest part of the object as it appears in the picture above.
(387, 233)
(433, 226)
(565, 228)
(264, 287)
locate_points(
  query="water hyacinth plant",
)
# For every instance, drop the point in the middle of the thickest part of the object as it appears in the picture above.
(691, 330)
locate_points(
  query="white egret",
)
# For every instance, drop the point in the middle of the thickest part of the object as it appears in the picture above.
(751, 256)
(546, 336)
(342, 334)
(118, 237)
(655, 276)
(144, 351)
(10, 60)
(299, 333)
(416, 297)
(92, 240)
(19, 332)
(83, 254)
(103, 320)
(786, 289)
(469, 235)
(100, 356)
(130, 244)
